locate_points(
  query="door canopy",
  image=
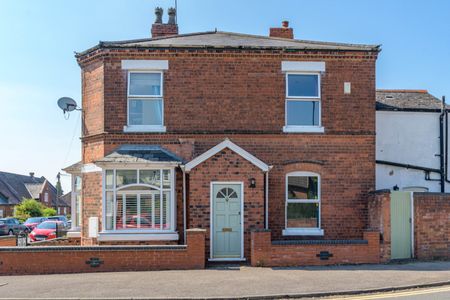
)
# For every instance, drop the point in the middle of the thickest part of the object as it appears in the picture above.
(232, 146)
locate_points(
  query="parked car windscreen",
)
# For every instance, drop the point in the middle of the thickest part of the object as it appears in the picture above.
(47, 225)
(33, 220)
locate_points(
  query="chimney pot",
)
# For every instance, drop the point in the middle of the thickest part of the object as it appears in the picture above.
(158, 14)
(285, 24)
(172, 12)
(31, 174)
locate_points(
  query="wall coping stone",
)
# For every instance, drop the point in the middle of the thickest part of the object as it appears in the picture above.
(320, 242)
(95, 248)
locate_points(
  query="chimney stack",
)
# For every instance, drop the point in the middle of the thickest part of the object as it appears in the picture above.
(284, 32)
(159, 29)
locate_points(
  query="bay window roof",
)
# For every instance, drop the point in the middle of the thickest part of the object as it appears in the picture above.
(140, 154)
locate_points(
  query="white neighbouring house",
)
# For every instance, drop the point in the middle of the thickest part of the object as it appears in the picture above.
(408, 141)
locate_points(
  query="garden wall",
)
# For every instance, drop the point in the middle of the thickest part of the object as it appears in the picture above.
(80, 259)
(265, 252)
(432, 225)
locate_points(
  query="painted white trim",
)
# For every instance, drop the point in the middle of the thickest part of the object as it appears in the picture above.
(312, 231)
(73, 234)
(219, 147)
(211, 217)
(304, 98)
(303, 66)
(144, 64)
(134, 166)
(90, 168)
(144, 128)
(303, 231)
(303, 129)
(103, 236)
(226, 259)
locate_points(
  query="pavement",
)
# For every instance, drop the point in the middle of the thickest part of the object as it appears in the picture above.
(228, 282)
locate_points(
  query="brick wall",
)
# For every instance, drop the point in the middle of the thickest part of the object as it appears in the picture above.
(8, 210)
(235, 92)
(345, 169)
(8, 241)
(91, 204)
(432, 225)
(379, 219)
(70, 259)
(58, 242)
(93, 98)
(265, 252)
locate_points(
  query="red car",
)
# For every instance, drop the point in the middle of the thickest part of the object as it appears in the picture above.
(45, 231)
(31, 223)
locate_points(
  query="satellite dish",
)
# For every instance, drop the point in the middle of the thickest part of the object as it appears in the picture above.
(67, 104)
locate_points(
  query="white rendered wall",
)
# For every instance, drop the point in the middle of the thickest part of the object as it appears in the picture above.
(409, 138)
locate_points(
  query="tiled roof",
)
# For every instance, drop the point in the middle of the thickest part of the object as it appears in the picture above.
(15, 187)
(412, 100)
(140, 154)
(65, 199)
(220, 39)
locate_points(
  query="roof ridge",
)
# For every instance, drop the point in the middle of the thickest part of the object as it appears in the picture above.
(296, 40)
(402, 91)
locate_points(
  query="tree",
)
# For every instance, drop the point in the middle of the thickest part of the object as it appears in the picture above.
(49, 212)
(27, 209)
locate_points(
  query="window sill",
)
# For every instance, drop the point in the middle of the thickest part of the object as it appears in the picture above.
(74, 234)
(302, 129)
(119, 236)
(305, 231)
(144, 128)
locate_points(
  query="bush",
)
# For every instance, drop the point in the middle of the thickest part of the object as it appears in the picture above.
(48, 212)
(27, 209)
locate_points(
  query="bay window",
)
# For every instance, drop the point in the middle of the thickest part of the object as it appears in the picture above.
(302, 204)
(139, 200)
(76, 214)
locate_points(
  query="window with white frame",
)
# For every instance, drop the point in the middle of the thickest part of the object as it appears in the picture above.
(141, 200)
(46, 197)
(302, 201)
(303, 107)
(76, 190)
(145, 99)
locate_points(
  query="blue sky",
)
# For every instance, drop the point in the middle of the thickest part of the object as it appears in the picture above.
(38, 38)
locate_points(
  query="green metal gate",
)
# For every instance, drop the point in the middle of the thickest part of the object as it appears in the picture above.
(401, 225)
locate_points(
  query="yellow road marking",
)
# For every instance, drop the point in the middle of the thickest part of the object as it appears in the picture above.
(397, 294)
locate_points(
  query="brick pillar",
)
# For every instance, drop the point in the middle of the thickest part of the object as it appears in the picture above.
(196, 247)
(379, 210)
(373, 250)
(261, 244)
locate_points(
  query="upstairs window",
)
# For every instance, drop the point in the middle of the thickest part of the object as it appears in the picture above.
(145, 101)
(303, 109)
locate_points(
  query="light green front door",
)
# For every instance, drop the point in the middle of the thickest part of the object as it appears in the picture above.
(401, 223)
(226, 221)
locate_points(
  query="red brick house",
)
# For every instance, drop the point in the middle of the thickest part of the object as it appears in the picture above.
(228, 132)
(16, 187)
